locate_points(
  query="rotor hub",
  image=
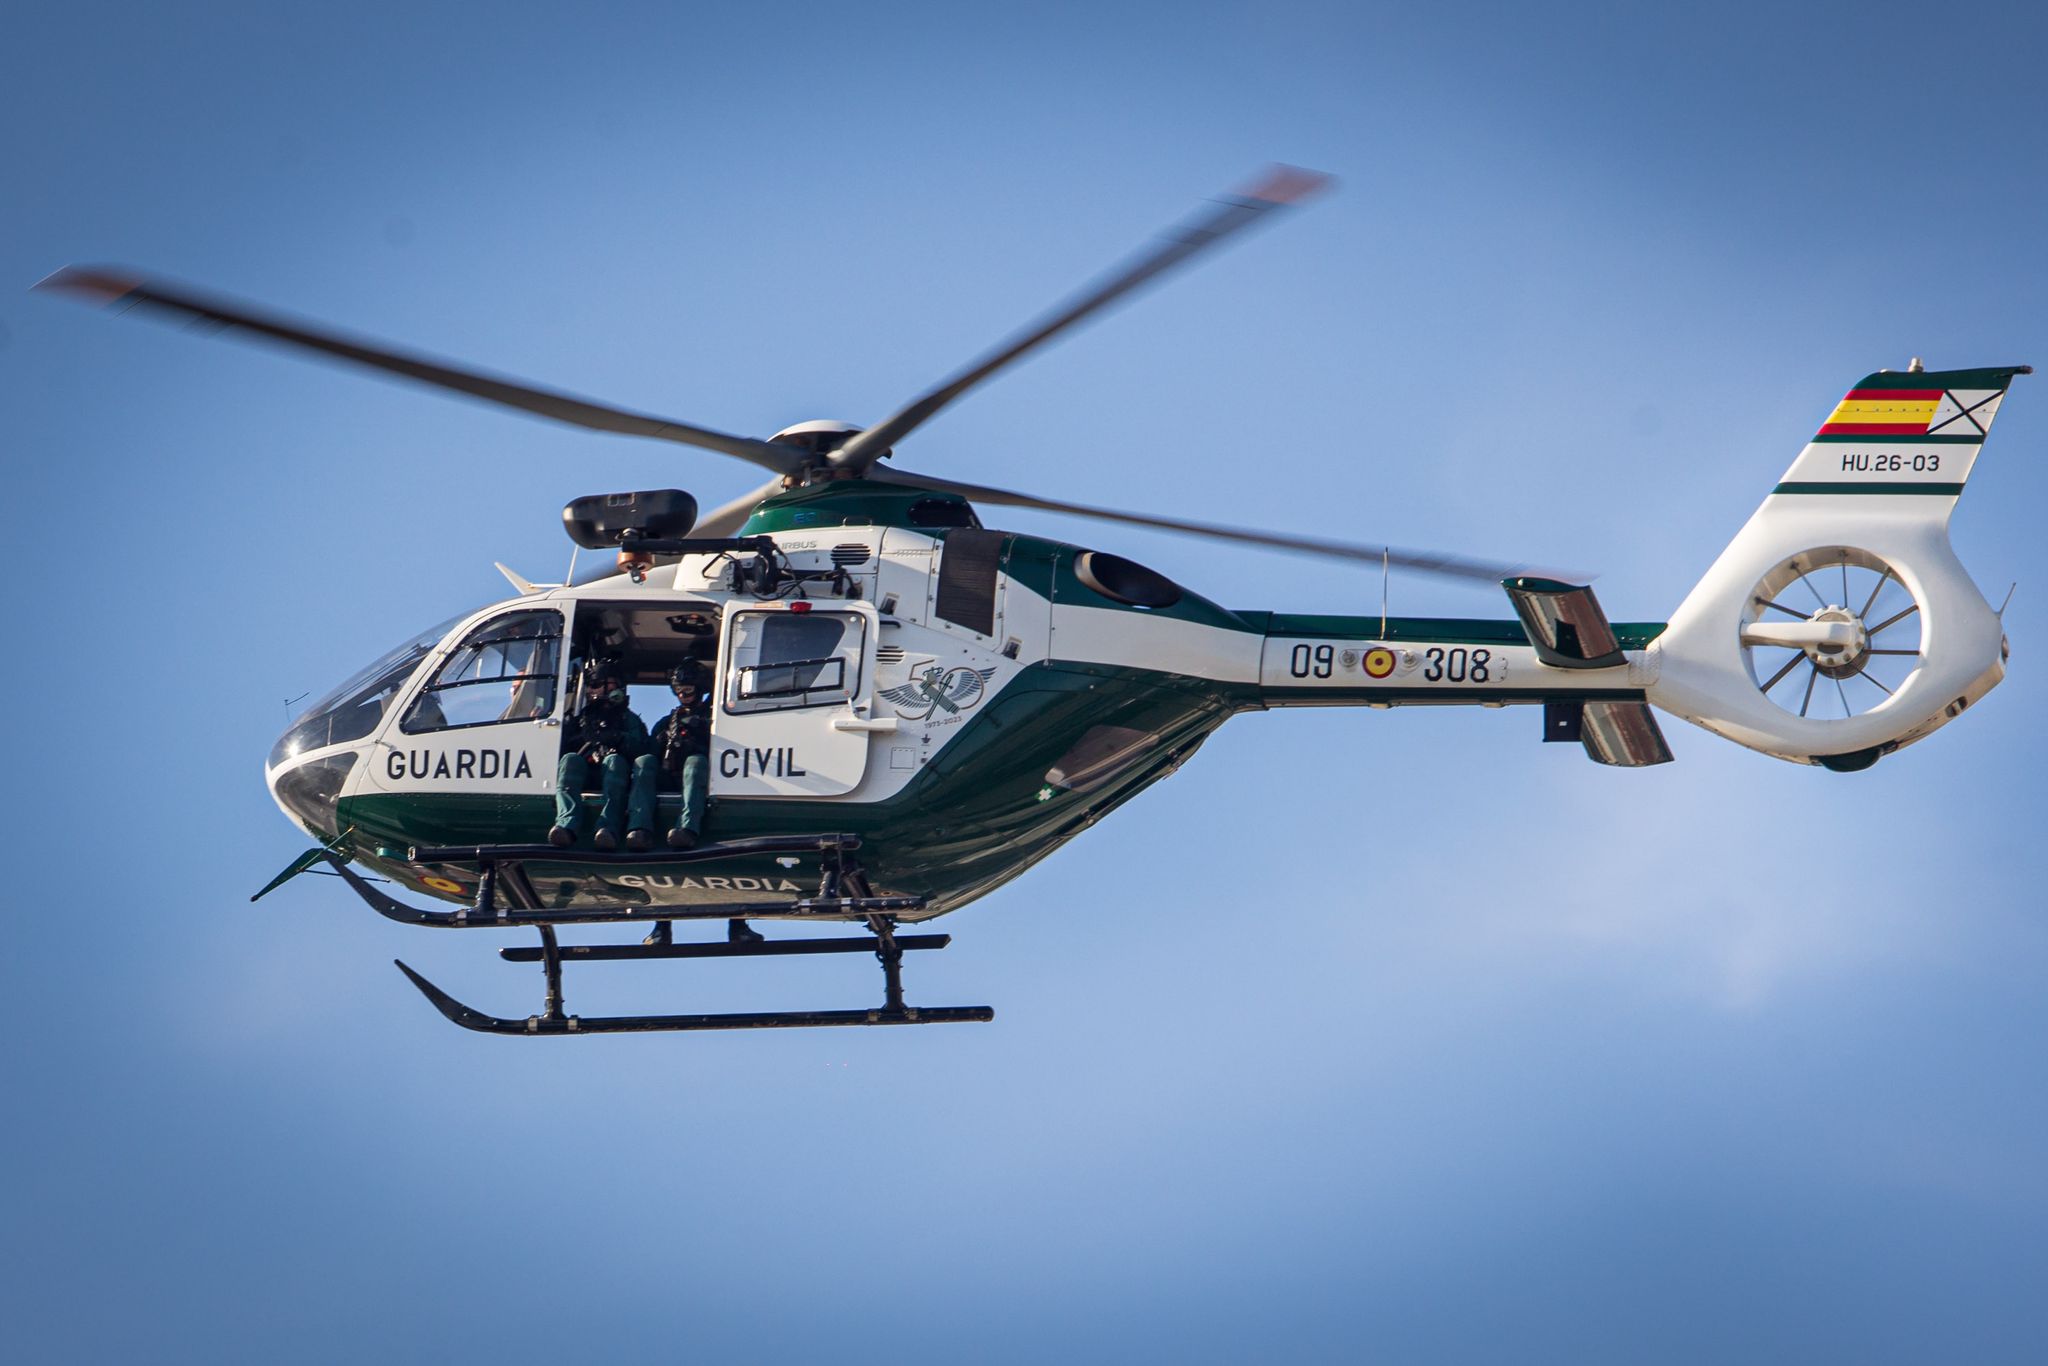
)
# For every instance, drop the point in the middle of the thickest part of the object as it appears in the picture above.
(1843, 655)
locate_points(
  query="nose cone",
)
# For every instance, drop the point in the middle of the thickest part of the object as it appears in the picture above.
(308, 791)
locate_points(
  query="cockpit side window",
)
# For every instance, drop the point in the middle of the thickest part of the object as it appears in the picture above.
(354, 709)
(793, 659)
(504, 670)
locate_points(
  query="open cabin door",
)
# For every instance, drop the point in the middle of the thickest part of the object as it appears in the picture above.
(795, 680)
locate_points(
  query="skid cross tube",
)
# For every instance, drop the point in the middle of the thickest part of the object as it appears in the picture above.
(889, 954)
(551, 964)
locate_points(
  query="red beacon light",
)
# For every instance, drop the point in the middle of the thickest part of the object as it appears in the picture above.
(800, 606)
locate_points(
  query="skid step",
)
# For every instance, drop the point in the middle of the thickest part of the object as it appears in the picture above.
(651, 1024)
(703, 853)
(613, 953)
(488, 912)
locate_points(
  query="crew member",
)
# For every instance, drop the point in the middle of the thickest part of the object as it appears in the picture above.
(682, 740)
(607, 736)
(682, 743)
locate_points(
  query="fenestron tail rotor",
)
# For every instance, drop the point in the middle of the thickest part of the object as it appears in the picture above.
(1832, 633)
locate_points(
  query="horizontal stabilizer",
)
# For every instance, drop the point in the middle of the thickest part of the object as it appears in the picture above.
(1624, 734)
(1564, 623)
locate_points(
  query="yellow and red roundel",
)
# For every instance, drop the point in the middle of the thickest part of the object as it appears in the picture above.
(1379, 662)
(442, 884)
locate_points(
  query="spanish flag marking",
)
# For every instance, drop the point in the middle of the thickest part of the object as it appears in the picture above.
(1882, 412)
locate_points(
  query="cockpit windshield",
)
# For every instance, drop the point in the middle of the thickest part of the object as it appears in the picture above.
(352, 710)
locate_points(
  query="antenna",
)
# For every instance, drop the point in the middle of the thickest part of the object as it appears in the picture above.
(1386, 556)
(290, 702)
(570, 582)
(2008, 599)
(519, 582)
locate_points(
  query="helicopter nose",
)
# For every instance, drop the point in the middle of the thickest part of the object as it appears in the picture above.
(308, 792)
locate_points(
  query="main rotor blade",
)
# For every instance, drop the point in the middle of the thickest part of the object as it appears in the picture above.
(1422, 561)
(724, 521)
(1279, 187)
(120, 288)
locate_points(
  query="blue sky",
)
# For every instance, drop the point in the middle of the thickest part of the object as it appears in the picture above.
(1395, 1037)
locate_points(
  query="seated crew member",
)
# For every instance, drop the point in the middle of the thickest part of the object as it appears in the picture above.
(682, 739)
(682, 743)
(606, 735)
(530, 699)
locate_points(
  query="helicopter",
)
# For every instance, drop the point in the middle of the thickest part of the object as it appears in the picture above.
(908, 708)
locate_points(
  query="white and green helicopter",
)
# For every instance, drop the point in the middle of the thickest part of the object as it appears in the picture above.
(910, 709)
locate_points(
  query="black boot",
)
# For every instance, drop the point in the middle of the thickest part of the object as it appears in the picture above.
(605, 840)
(682, 839)
(662, 935)
(639, 841)
(740, 932)
(561, 837)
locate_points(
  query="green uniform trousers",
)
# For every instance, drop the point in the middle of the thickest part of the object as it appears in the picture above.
(627, 785)
(696, 778)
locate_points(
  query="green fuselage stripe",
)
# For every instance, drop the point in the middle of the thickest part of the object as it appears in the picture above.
(1632, 635)
(1280, 695)
(1985, 377)
(1928, 490)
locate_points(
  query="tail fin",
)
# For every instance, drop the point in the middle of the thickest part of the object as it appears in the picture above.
(1838, 625)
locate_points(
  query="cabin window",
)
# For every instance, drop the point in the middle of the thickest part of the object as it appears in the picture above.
(504, 670)
(793, 659)
(1102, 754)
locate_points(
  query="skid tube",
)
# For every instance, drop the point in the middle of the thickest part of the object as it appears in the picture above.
(843, 895)
(650, 1024)
(555, 1019)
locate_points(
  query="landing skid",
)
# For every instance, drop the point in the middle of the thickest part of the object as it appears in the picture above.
(650, 1024)
(843, 894)
(555, 1019)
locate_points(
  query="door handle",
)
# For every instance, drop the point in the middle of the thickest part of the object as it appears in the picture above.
(880, 725)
